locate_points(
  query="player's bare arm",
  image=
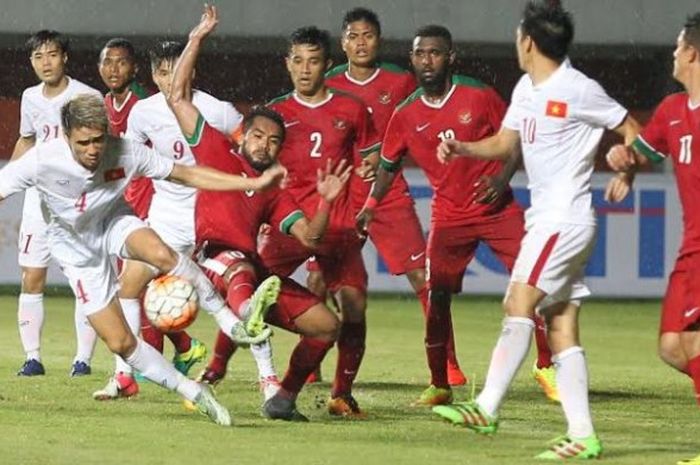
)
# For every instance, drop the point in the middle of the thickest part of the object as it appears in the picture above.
(489, 189)
(497, 147)
(22, 145)
(180, 98)
(368, 169)
(201, 177)
(379, 189)
(330, 183)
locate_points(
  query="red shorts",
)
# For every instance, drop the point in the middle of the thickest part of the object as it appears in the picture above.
(339, 258)
(681, 306)
(398, 236)
(451, 248)
(293, 301)
(138, 195)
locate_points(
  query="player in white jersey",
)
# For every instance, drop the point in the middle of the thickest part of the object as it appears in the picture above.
(171, 213)
(81, 179)
(558, 116)
(40, 123)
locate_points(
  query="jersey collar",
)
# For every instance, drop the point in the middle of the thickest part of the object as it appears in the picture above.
(556, 75)
(442, 102)
(312, 105)
(366, 81)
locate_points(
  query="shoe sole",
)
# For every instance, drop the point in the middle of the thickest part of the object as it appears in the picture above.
(264, 298)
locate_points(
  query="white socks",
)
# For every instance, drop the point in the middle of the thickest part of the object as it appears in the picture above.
(572, 382)
(263, 359)
(86, 338)
(30, 320)
(132, 313)
(510, 351)
(154, 367)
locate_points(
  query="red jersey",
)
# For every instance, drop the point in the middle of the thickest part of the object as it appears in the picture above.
(381, 93)
(329, 130)
(231, 220)
(118, 116)
(674, 132)
(470, 111)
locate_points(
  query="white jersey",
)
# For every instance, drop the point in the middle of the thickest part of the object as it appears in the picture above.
(172, 207)
(40, 117)
(561, 122)
(77, 203)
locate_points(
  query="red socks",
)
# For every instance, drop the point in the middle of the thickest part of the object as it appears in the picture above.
(305, 358)
(351, 349)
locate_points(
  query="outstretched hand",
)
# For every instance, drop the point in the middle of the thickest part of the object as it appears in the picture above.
(489, 190)
(208, 22)
(620, 158)
(330, 182)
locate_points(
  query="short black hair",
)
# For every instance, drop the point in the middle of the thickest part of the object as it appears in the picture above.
(362, 14)
(435, 30)
(120, 42)
(46, 36)
(166, 50)
(549, 26)
(311, 35)
(692, 30)
(264, 112)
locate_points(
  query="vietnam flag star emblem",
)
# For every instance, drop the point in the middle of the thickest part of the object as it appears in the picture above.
(556, 109)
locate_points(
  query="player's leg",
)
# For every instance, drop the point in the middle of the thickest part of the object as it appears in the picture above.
(317, 286)
(133, 279)
(143, 244)
(504, 237)
(346, 277)
(448, 252)
(300, 311)
(690, 341)
(407, 257)
(30, 319)
(96, 291)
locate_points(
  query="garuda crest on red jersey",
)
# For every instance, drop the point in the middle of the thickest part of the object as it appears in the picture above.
(340, 124)
(385, 97)
(465, 117)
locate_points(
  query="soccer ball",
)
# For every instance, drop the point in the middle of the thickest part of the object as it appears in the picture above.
(171, 303)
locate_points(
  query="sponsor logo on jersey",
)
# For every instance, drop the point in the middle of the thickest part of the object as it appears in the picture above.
(385, 97)
(421, 127)
(556, 109)
(465, 118)
(114, 174)
(339, 124)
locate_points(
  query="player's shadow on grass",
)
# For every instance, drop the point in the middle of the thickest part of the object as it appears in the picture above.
(611, 395)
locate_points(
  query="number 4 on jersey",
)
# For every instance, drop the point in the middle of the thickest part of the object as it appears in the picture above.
(81, 203)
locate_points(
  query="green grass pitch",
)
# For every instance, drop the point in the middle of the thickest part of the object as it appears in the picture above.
(643, 411)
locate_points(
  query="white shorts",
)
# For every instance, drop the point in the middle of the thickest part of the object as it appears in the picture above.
(33, 245)
(553, 259)
(174, 237)
(96, 284)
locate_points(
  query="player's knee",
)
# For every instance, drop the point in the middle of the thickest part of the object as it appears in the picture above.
(353, 304)
(122, 345)
(164, 258)
(33, 280)
(315, 284)
(671, 353)
(416, 278)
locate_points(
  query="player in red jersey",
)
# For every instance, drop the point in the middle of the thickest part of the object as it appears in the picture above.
(118, 70)
(322, 125)
(227, 225)
(382, 87)
(674, 132)
(449, 106)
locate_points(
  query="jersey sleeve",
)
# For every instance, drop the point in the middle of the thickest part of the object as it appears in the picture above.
(150, 163)
(135, 126)
(597, 108)
(652, 141)
(232, 119)
(208, 144)
(284, 211)
(366, 138)
(394, 143)
(26, 129)
(19, 174)
(512, 117)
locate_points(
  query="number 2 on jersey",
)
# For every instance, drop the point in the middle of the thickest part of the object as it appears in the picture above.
(316, 138)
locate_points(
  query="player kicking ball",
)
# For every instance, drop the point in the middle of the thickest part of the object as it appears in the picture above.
(557, 116)
(81, 178)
